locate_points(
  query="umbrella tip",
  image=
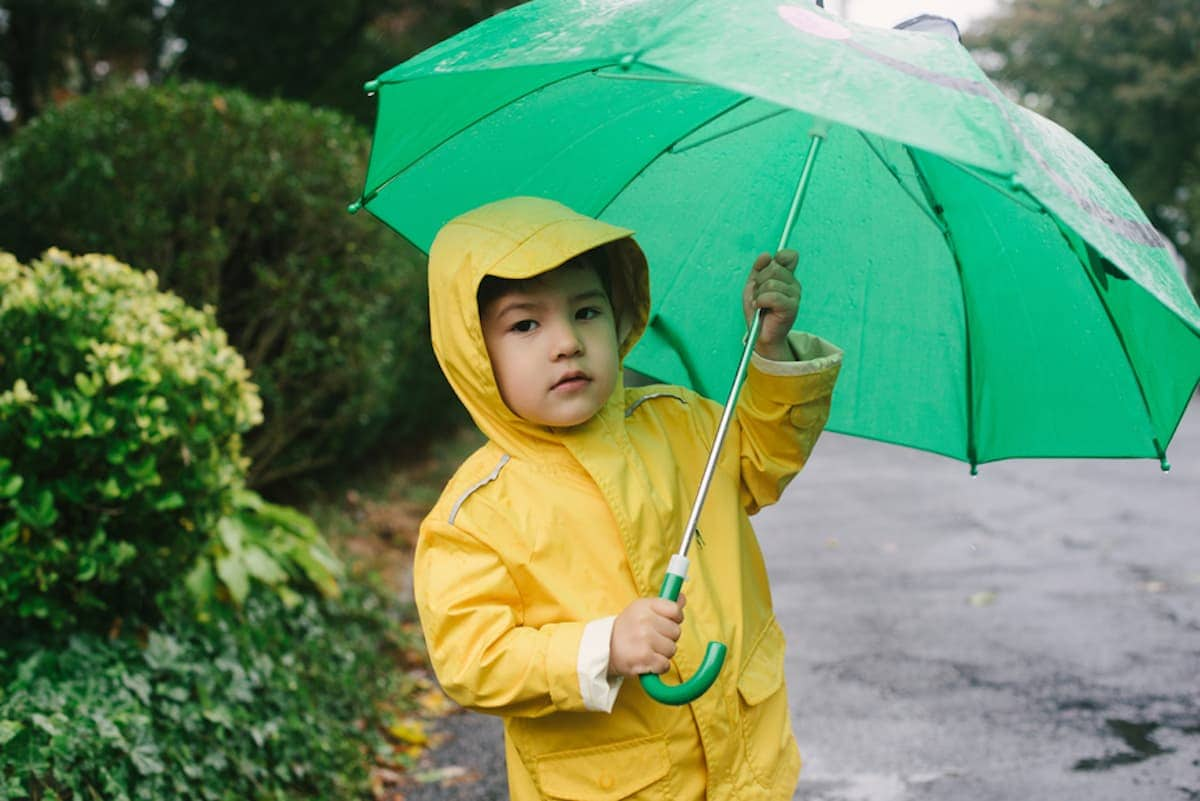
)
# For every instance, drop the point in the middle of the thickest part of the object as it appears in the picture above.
(974, 469)
(1164, 464)
(371, 87)
(355, 206)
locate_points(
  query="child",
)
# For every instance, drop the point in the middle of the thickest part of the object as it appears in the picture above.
(536, 573)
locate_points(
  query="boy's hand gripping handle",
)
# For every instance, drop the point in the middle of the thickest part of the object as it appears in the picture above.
(714, 656)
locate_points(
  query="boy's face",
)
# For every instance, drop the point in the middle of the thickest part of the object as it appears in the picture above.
(553, 347)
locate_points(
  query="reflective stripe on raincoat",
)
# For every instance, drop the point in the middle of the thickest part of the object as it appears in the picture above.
(543, 530)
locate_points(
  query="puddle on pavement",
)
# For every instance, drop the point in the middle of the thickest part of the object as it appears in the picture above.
(1139, 739)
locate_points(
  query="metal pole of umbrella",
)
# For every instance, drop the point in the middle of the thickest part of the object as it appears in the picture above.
(714, 655)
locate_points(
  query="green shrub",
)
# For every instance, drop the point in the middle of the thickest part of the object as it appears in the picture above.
(283, 704)
(121, 409)
(241, 204)
(274, 545)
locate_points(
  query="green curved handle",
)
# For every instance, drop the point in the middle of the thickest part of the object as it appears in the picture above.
(697, 685)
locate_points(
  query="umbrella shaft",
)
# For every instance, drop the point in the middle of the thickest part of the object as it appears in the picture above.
(818, 135)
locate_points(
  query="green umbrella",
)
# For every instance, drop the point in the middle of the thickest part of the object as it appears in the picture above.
(997, 291)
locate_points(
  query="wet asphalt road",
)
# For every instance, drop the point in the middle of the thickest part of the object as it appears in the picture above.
(1031, 633)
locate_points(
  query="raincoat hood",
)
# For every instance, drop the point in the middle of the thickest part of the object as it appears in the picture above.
(520, 238)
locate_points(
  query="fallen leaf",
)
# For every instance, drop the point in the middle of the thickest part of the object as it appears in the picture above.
(410, 730)
(985, 598)
(385, 783)
(446, 776)
(435, 703)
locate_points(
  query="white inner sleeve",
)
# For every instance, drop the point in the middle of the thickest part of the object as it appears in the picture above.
(598, 690)
(813, 355)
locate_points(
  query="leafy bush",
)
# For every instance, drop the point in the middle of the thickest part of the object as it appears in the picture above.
(284, 704)
(259, 541)
(241, 204)
(121, 410)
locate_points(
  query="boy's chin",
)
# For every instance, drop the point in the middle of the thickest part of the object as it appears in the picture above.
(565, 419)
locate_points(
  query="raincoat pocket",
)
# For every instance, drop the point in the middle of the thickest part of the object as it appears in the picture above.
(766, 727)
(607, 773)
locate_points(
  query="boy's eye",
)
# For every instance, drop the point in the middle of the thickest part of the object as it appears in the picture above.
(589, 312)
(524, 326)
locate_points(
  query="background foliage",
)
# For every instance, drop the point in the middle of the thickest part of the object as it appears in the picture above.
(54, 48)
(1123, 76)
(240, 204)
(120, 437)
(283, 703)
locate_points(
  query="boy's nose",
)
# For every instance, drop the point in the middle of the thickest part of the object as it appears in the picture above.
(568, 343)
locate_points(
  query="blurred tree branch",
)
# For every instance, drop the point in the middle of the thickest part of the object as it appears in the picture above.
(1124, 76)
(309, 50)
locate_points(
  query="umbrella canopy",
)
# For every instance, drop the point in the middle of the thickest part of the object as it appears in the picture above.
(997, 291)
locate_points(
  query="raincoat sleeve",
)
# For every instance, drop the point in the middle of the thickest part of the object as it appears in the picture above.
(472, 614)
(781, 412)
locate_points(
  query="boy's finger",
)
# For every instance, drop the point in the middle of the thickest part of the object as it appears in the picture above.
(783, 286)
(668, 628)
(667, 609)
(664, 646)
(761, 261)
(776, 272)
(788, 259)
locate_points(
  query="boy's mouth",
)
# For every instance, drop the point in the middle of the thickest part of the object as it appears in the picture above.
(572, 380)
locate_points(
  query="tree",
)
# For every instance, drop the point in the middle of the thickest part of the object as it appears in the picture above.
(308, 50)
(1123, 76)
(55, 48)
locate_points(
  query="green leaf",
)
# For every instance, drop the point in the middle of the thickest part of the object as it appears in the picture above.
(11, 486)
(200, 582)
(87, 384)
(260, 565)
(110, 489)
(144, 470)
(138, 685)
(172, 500)
(9, 729)
(232, 531)
(87, 568)
(9, 533)
(315, 565)
(233, 575)
(42, 514)
(145, 759)
(44, 723)
(292, 520)
(115, 453)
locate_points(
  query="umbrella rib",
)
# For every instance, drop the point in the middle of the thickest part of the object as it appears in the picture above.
(669, 148)
(948, 236)
(1085, 259)
(741, 127)
(1019, 198)
(368, 196)
(924, 207)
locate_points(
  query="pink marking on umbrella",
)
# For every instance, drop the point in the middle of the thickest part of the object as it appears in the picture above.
(811, 22)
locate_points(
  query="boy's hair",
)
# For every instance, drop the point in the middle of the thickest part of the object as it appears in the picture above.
(492, 287)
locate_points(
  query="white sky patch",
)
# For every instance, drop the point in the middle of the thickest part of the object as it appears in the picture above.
(886, 13)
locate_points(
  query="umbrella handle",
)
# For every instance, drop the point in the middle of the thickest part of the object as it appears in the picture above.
(710, 666)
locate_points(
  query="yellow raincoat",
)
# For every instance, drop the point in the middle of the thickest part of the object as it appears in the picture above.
(542, 531)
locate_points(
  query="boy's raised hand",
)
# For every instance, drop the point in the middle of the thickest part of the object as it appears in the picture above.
(644, 636)
(772, 285)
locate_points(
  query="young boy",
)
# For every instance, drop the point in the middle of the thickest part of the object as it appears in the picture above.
(536, 573)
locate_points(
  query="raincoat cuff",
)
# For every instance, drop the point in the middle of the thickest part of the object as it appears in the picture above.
(812, 355)
(562, 658)
(598, 690)
(811, 376)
